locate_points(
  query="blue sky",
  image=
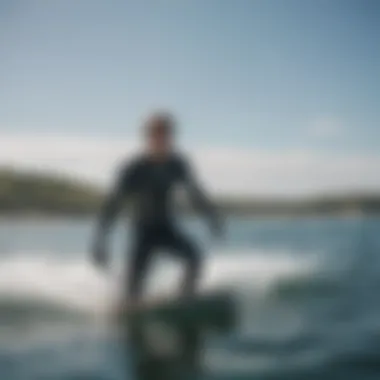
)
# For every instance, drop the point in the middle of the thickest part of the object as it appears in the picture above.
(272, 75)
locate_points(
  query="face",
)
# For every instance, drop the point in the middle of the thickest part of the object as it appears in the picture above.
(159, 138)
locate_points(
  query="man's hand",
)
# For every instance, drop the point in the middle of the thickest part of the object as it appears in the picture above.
(99, 254)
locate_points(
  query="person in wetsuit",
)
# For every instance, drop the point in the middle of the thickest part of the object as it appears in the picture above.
(150, 179)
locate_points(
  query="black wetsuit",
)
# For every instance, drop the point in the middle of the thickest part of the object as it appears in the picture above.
(151, 185)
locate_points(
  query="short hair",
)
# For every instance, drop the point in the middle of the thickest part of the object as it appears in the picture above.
(160, 121)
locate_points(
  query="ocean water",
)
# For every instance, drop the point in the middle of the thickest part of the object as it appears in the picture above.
(306, 293)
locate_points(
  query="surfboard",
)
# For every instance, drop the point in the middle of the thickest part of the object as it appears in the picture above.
(213, 310)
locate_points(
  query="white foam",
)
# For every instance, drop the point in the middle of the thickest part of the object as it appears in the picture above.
(73, 283)
(76, 283)
(254, 270)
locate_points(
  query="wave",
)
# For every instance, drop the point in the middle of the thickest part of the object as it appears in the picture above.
(37, 286)
(320, 285)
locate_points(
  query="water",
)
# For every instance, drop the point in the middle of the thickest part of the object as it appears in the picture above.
(306, 290)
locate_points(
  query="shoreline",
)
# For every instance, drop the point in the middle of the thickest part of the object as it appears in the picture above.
(41, 217)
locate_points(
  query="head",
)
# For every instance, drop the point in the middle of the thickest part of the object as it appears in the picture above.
(159, 133)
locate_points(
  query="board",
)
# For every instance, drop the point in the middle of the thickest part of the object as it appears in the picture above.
(213, 310)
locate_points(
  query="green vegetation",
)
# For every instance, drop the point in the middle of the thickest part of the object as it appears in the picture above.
(24, 193)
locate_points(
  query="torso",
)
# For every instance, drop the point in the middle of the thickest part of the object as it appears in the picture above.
(153, 188)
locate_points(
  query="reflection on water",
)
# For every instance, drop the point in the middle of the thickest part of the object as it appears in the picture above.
(171, 347)
(180, 361)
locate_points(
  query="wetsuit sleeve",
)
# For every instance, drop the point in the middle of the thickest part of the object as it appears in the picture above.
(114, 201)
(197, 194)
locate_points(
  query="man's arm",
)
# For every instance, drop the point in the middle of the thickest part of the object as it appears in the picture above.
(200, 199)
(110, 210)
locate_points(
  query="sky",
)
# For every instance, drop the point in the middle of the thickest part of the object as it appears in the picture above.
(272, 97)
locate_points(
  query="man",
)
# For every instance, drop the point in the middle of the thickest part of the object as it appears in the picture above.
(150, 180)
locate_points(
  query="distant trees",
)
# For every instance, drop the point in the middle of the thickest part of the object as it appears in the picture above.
(27, 192)
(32, 192)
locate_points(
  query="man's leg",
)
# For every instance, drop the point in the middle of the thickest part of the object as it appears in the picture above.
(183, 247)
(139, 260)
